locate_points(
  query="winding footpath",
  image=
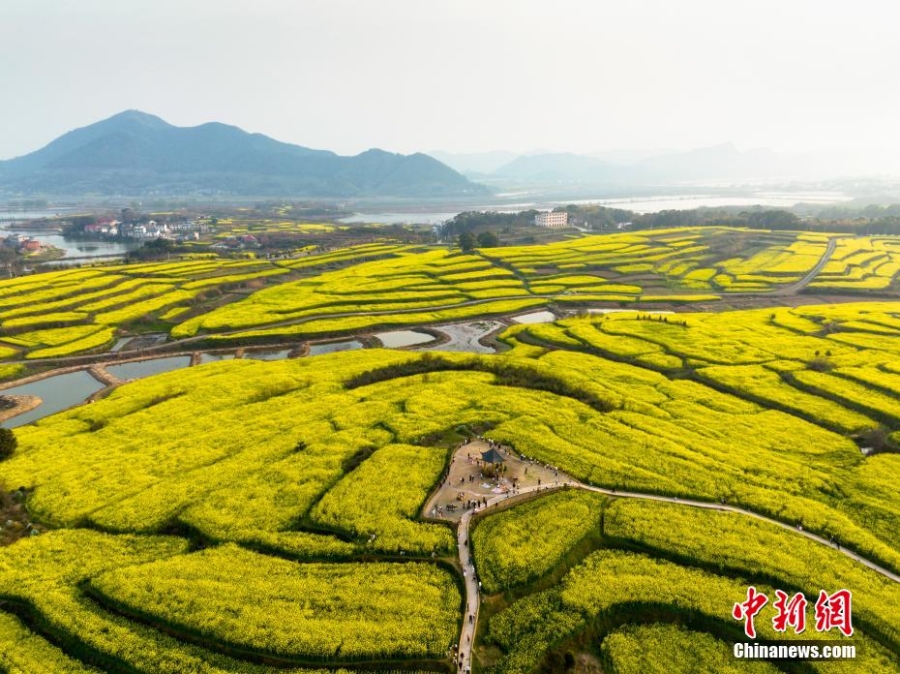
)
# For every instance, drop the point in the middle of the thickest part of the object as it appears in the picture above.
(467, 636)
(802, 283)
(470, 619)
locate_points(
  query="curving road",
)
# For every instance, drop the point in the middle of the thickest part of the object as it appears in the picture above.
(467, 636)
(802, 283)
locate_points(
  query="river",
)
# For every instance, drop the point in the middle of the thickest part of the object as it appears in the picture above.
(75, 248)
(641, 204)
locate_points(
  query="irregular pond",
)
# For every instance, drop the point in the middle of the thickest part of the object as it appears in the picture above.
(268, 355)
(145, 368)
(400, 338)
(535, 317)
(58, 393)
(215, 357)
(331, 347)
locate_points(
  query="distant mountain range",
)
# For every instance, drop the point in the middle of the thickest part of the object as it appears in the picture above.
(717, 163)
(134, 153)
(474, 163)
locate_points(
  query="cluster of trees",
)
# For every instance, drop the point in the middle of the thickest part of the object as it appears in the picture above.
(700, 217)
(8, 443)
(594, 217)
(870, 212)
(468, 241)
(474, 221)
(868, 220)
(887, 224)
(157, 249)
(600, 218)
(480, 229)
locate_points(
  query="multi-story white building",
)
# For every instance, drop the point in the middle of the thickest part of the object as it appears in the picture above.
(553, 219)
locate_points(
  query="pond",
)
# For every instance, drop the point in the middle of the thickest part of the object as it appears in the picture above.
(400, 338)
(331, 347)
(535, 317)
(144, 368)
(215, 357)
(268, 355)
(58, 393)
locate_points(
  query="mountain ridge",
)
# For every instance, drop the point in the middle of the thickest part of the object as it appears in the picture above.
(624, 168)
(136, 153)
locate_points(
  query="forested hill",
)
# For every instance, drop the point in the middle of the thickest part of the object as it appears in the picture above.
(134, 153)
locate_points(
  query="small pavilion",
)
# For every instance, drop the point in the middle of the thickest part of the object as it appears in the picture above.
(492, 456)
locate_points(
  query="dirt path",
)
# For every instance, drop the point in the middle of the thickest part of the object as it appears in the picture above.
(562, 481)
(741, 511)
(470, 618)
(466, 483)
(465, 337)
(101, 374)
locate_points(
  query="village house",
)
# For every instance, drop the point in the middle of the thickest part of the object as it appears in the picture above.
(24, 244)
(103, 226)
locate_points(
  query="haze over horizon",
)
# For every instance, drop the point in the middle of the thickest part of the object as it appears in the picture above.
(463, 76)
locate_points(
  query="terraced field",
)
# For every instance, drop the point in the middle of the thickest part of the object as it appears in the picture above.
(832, 364)
(406, 285)
(247, 516)
(227, 227)
(701, 259)
(377, 293)
(660, 574)
(183, 504)
(68, 312)
(861, 264)
(380, 285)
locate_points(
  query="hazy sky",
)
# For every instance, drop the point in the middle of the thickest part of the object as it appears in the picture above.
(462, 75)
